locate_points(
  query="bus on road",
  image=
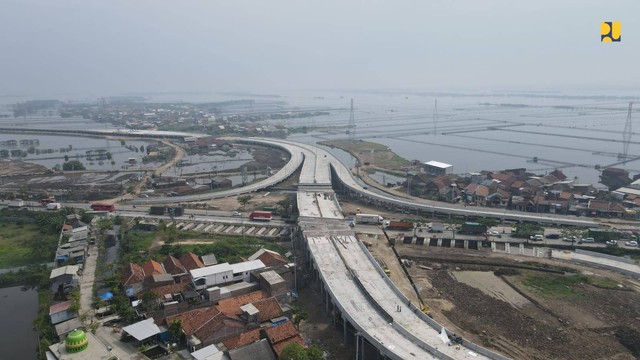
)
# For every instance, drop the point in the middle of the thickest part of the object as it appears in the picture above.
(103, 207)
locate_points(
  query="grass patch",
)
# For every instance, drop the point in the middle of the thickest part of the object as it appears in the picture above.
(135, 246)
(556, 285)
(605, 283)
(229, 249)
(15, 241)
(373, 154)
(567, 285)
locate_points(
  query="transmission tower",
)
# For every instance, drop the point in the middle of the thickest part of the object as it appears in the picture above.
(352, 123)
(245, 176)
(626, 135)
(435, 118)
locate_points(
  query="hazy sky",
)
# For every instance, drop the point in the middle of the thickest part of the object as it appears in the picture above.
(123, 46)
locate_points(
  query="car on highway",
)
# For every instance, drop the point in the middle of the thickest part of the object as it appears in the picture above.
(536, 237)
(612, 242)
(588, 240)
(552, 236)
(493, 233)
(236, 213)
(631, 243)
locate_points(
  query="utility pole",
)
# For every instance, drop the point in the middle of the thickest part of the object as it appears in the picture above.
(352, 123)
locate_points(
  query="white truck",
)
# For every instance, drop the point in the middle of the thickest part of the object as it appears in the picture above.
(369, 219)
(53, 206)
(16, 204)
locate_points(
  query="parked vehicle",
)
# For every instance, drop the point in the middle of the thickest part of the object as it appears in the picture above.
(473, 228)
(53, 206)
(261, 215)
(369, 219)
(16, 204)
(398, 225)
(157, 210)
(537, 237)
(631, 243)
(436, 227)
(47, 200)
(175, 211)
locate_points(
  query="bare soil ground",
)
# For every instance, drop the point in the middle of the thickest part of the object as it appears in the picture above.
(319, 328)
(581, 320)
(13, 167)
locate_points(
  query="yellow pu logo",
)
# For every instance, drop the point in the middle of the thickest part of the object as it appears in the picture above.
(610, 31)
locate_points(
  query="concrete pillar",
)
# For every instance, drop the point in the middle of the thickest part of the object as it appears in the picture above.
(521, 249)
(327, 302)
(507, 248)
(344, 330)
(439, 242)
(453, 243)
(466, 244)
(493, 246)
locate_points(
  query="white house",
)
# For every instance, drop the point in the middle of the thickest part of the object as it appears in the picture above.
(212, 275)
(242, 271)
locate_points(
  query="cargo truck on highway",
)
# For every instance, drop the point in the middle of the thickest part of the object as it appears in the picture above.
(53, 206)
(16, 204)
(369, 219)
(157, 210)
(261, 215)
(436, 227)
(398, 225)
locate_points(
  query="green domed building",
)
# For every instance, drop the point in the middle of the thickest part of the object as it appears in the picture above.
(76, 341)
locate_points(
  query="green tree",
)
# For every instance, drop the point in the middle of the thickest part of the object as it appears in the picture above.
(175, 329)
(573, 233)
(488, 222)
(66, 158)
(299, 316)
(73, 165)
(244, 199)
(315, 353)
(141, 148)
(123, 143)
(285, 204)
(526, 230)
(294, 351)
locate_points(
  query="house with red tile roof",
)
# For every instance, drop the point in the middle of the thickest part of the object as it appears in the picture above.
(243, 339)
(231, 306)
(132, 279)
(152, 267)
(269, 258)
(191, 261)
(282, 335)
(174, 267)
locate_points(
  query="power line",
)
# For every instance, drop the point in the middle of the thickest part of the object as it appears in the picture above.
(626, 135)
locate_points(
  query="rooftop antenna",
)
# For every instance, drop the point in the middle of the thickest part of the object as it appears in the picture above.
(352, 123)
(626, 135)
(435, 118)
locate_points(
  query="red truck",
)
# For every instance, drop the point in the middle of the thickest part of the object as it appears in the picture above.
(261, 215)
(399, 225)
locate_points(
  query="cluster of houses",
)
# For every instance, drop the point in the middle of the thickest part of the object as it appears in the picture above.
(233, 310)
(520, 190)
